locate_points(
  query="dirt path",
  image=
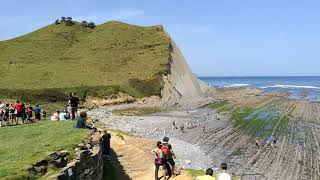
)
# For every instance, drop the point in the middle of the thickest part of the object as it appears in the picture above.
(135, 159)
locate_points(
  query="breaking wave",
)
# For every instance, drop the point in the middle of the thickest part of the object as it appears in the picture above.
(236, 85)
(291, 86)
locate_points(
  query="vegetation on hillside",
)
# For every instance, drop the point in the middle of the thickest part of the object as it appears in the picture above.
(49, 63)
(24, 145)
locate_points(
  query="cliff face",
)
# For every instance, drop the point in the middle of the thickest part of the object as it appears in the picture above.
(180, 85)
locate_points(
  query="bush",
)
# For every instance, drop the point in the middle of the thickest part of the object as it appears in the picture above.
(91, 25)
(84, 23)
(57, 22)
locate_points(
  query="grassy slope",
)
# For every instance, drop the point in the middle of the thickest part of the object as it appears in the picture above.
(26, 144)
(124, 57)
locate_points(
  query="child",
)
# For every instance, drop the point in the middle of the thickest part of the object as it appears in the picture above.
(157, 158)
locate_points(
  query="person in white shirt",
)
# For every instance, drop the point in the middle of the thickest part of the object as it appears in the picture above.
(223, 175)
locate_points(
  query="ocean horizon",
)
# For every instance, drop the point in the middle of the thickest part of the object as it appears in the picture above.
(298, 87)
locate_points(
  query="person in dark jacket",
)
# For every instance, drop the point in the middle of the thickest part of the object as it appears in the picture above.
(73, 102)
(37, 113)
(106, 144)
(81, 122)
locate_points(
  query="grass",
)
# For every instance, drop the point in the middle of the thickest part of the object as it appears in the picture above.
(268, 120)
(219, 106)
(24, 145)
(47, 64)
(136, 111)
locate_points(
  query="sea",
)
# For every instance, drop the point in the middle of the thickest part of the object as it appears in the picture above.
(298, 87)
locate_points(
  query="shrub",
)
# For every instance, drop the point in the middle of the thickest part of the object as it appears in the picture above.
(91, 25)
(57, 22)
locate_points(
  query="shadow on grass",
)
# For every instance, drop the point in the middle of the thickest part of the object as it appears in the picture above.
(113, 170)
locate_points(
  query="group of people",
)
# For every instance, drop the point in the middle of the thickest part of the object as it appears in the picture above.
(19, 111)
(70, 112)
(223, 175)
(164, 156)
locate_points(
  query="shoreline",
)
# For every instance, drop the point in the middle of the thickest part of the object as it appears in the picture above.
(222, 141)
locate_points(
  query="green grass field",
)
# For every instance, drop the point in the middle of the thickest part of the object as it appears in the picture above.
(47, 64)
(24, 145)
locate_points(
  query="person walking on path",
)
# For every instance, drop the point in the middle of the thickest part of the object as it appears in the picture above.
(208, 176)
(157, 159)
(224, 175)
(106, 145)
(168, 155)
(73, 102)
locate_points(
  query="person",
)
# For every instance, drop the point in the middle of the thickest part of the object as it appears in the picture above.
(67, 113)
(81, 122)
(44, 114)
(74, 102)
(29, 111)
(11, 113)
(157, 159)
(18, 111)
(7, 113)
(174, 127)
(2, 104)
(55, 116)
(223, 175)
(62, 116)
(24, 113)
(208, 176)
(37, 113)
(2, 117)
(106, 144)
(257, 142)
(167, 157)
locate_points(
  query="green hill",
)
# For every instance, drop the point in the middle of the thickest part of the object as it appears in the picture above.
(49, 63)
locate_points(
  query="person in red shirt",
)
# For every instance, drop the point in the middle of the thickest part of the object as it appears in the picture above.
(18, 111)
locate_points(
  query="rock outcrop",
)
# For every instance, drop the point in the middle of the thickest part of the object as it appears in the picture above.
(180, 86)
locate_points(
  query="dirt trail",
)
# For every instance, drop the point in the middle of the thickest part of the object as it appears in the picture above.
(134, 157)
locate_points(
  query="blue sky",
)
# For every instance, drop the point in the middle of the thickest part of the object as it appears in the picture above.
(218, 38)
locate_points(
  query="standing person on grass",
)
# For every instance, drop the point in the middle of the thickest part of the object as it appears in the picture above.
(37, 113)
(224, 175)
(157, 159)
(74, 102)
(18, 111)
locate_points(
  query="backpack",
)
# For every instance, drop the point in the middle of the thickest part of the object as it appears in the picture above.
(165, 151)
(158, 159)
